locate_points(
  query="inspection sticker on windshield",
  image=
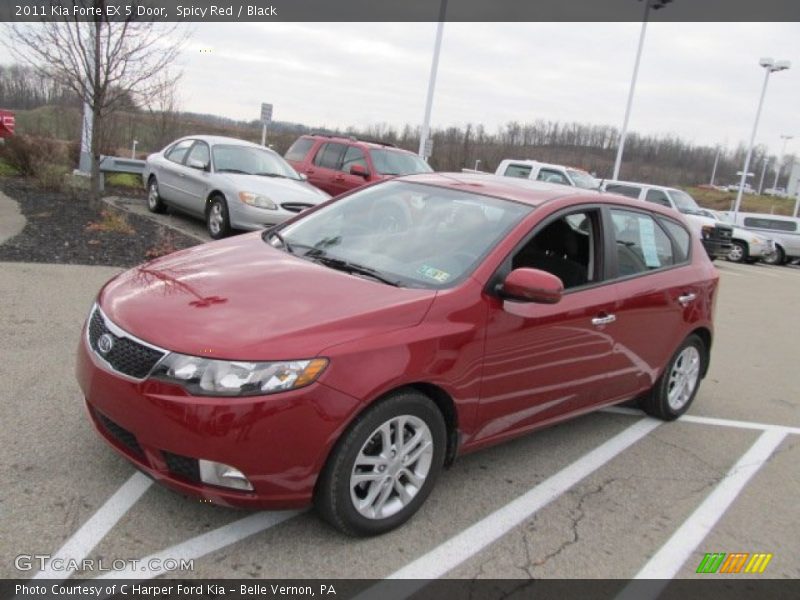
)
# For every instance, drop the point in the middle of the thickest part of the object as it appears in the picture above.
(433, 273)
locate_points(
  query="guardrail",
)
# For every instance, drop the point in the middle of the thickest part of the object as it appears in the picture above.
(115, 164)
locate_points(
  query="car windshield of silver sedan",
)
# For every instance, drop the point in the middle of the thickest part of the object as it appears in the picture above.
(401, 233)
(392, 162)
(248, 160)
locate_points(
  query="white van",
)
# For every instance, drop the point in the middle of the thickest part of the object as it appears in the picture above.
(784, 231)
(539, 171)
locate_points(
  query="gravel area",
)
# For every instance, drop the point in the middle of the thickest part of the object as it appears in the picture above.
(64, 229)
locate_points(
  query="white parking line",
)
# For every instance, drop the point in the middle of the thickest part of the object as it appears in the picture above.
(475, 538)
(666, 563)
(78, 547)
(622, 410)
(154, 564)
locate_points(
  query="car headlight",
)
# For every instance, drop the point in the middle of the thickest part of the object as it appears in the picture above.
(207, 377)
(257, 200)
(707, 231)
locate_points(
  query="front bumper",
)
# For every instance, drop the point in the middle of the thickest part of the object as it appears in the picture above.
(717, 240)
(250, 218)
(279, 441)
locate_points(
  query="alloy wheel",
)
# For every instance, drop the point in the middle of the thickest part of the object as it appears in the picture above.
(683, 378)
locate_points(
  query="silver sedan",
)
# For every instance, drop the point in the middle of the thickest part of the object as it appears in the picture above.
(230, 183)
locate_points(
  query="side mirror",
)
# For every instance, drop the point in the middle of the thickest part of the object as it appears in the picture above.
(198, 164)
(532, 285)
(359, 170)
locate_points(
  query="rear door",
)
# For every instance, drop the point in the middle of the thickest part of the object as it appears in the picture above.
(170, 175)
(196, 179)
(325, 165)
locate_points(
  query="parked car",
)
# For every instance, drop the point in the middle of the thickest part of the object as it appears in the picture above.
(496, 307)
(784, 231)
(747, 246)
(230, 183)
(715, 235)
(339, 164)
(539, 171)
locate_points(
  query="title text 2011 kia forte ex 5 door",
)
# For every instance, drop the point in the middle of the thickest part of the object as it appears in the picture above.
(347, 355)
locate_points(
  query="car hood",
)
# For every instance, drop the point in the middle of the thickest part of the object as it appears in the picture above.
(243, 299)
(277, 188)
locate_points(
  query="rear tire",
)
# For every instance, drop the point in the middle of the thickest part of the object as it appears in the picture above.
(776, 258)
(384, 466)
(154, 202)
(218, 222)
(675, 390)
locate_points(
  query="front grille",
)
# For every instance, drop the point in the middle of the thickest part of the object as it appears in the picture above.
(182, 466)
(122, 435)
(724, 233)
(126, 355)
(295, 207)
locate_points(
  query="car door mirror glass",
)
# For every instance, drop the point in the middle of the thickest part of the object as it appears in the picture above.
(532, 285)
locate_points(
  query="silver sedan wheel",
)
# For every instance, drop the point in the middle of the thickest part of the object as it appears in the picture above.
(215, 218)
(391, 467)
(152, 195)
(683, 378)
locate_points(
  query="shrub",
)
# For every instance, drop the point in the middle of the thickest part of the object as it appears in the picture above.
(28, 155)
(111, 221)
(51, 177)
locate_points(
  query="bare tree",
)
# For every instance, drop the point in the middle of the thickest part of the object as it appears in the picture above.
(106, 61)
(163, 107)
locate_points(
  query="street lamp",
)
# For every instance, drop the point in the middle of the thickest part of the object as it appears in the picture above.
(770, 66)
(778, 166)
(655, 5)
(424, 145)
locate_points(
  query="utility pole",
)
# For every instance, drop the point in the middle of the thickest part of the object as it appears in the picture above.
(426, 122)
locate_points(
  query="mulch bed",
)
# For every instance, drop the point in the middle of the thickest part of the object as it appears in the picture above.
(59, 230)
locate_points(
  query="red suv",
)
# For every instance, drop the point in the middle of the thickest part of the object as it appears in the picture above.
(331, 361)
(339, 164)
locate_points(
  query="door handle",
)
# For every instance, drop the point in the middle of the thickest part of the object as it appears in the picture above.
(338, 178)
(605, 320)
(687, 299)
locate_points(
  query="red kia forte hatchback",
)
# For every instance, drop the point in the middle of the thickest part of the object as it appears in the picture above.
(347, 355)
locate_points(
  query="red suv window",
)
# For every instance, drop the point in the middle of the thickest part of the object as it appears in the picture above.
(329, 156)
(299, 149)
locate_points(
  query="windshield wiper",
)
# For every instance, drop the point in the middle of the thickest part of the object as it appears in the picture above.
(350, 267)
(271, 175)
(233, 171)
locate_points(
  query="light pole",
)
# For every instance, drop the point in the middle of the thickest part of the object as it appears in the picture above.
(426, 123)
(655, 5)
(770, 66)
(714, 170)
(763, 173)
(778, 166)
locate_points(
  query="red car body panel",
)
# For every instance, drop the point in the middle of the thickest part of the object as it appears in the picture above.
(508, 367)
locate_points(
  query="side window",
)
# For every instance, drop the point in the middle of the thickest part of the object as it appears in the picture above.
(353, 156)
(624, 190)
(178, 151)
(770, 224)
(641, 243)
(567, 248)
(299, 149)
(551, 176)
(199, 152)
(658, 197)
(682, 239)
(329, 155)
(521, 171)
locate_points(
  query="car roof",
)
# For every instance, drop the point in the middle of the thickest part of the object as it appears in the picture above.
(531, 162)
(221, 139)
(354, 141)
(640, 184)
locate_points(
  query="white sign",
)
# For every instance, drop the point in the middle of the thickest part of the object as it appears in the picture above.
(266, 113)
(428, 148)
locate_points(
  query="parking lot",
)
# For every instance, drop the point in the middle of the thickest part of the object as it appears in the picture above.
(609, 495)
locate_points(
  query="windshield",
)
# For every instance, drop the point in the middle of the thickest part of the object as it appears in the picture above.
(683, 201)
(392, 162)
(583, 180)
(402, 233)
(249, 160)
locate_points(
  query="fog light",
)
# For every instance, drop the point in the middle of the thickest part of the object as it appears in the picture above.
(223, 475)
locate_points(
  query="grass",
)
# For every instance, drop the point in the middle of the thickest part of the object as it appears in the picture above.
(7, 170)
(718, 200)
(124, 180)
(111, 222)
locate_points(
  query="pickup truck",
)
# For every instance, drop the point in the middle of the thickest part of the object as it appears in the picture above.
(539, 171)
(717, 236)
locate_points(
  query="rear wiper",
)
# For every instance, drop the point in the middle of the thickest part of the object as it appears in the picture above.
(349, 267)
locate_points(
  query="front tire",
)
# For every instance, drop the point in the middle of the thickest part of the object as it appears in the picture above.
(154, 202)
(384, 466)
(738, 252)
(218, 222)
(674, 391)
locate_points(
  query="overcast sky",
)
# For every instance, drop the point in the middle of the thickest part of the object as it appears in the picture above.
(700, 81)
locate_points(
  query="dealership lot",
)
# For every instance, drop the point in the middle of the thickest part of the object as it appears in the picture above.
(608, 495)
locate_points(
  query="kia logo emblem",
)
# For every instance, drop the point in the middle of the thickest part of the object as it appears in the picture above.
(105, 343)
